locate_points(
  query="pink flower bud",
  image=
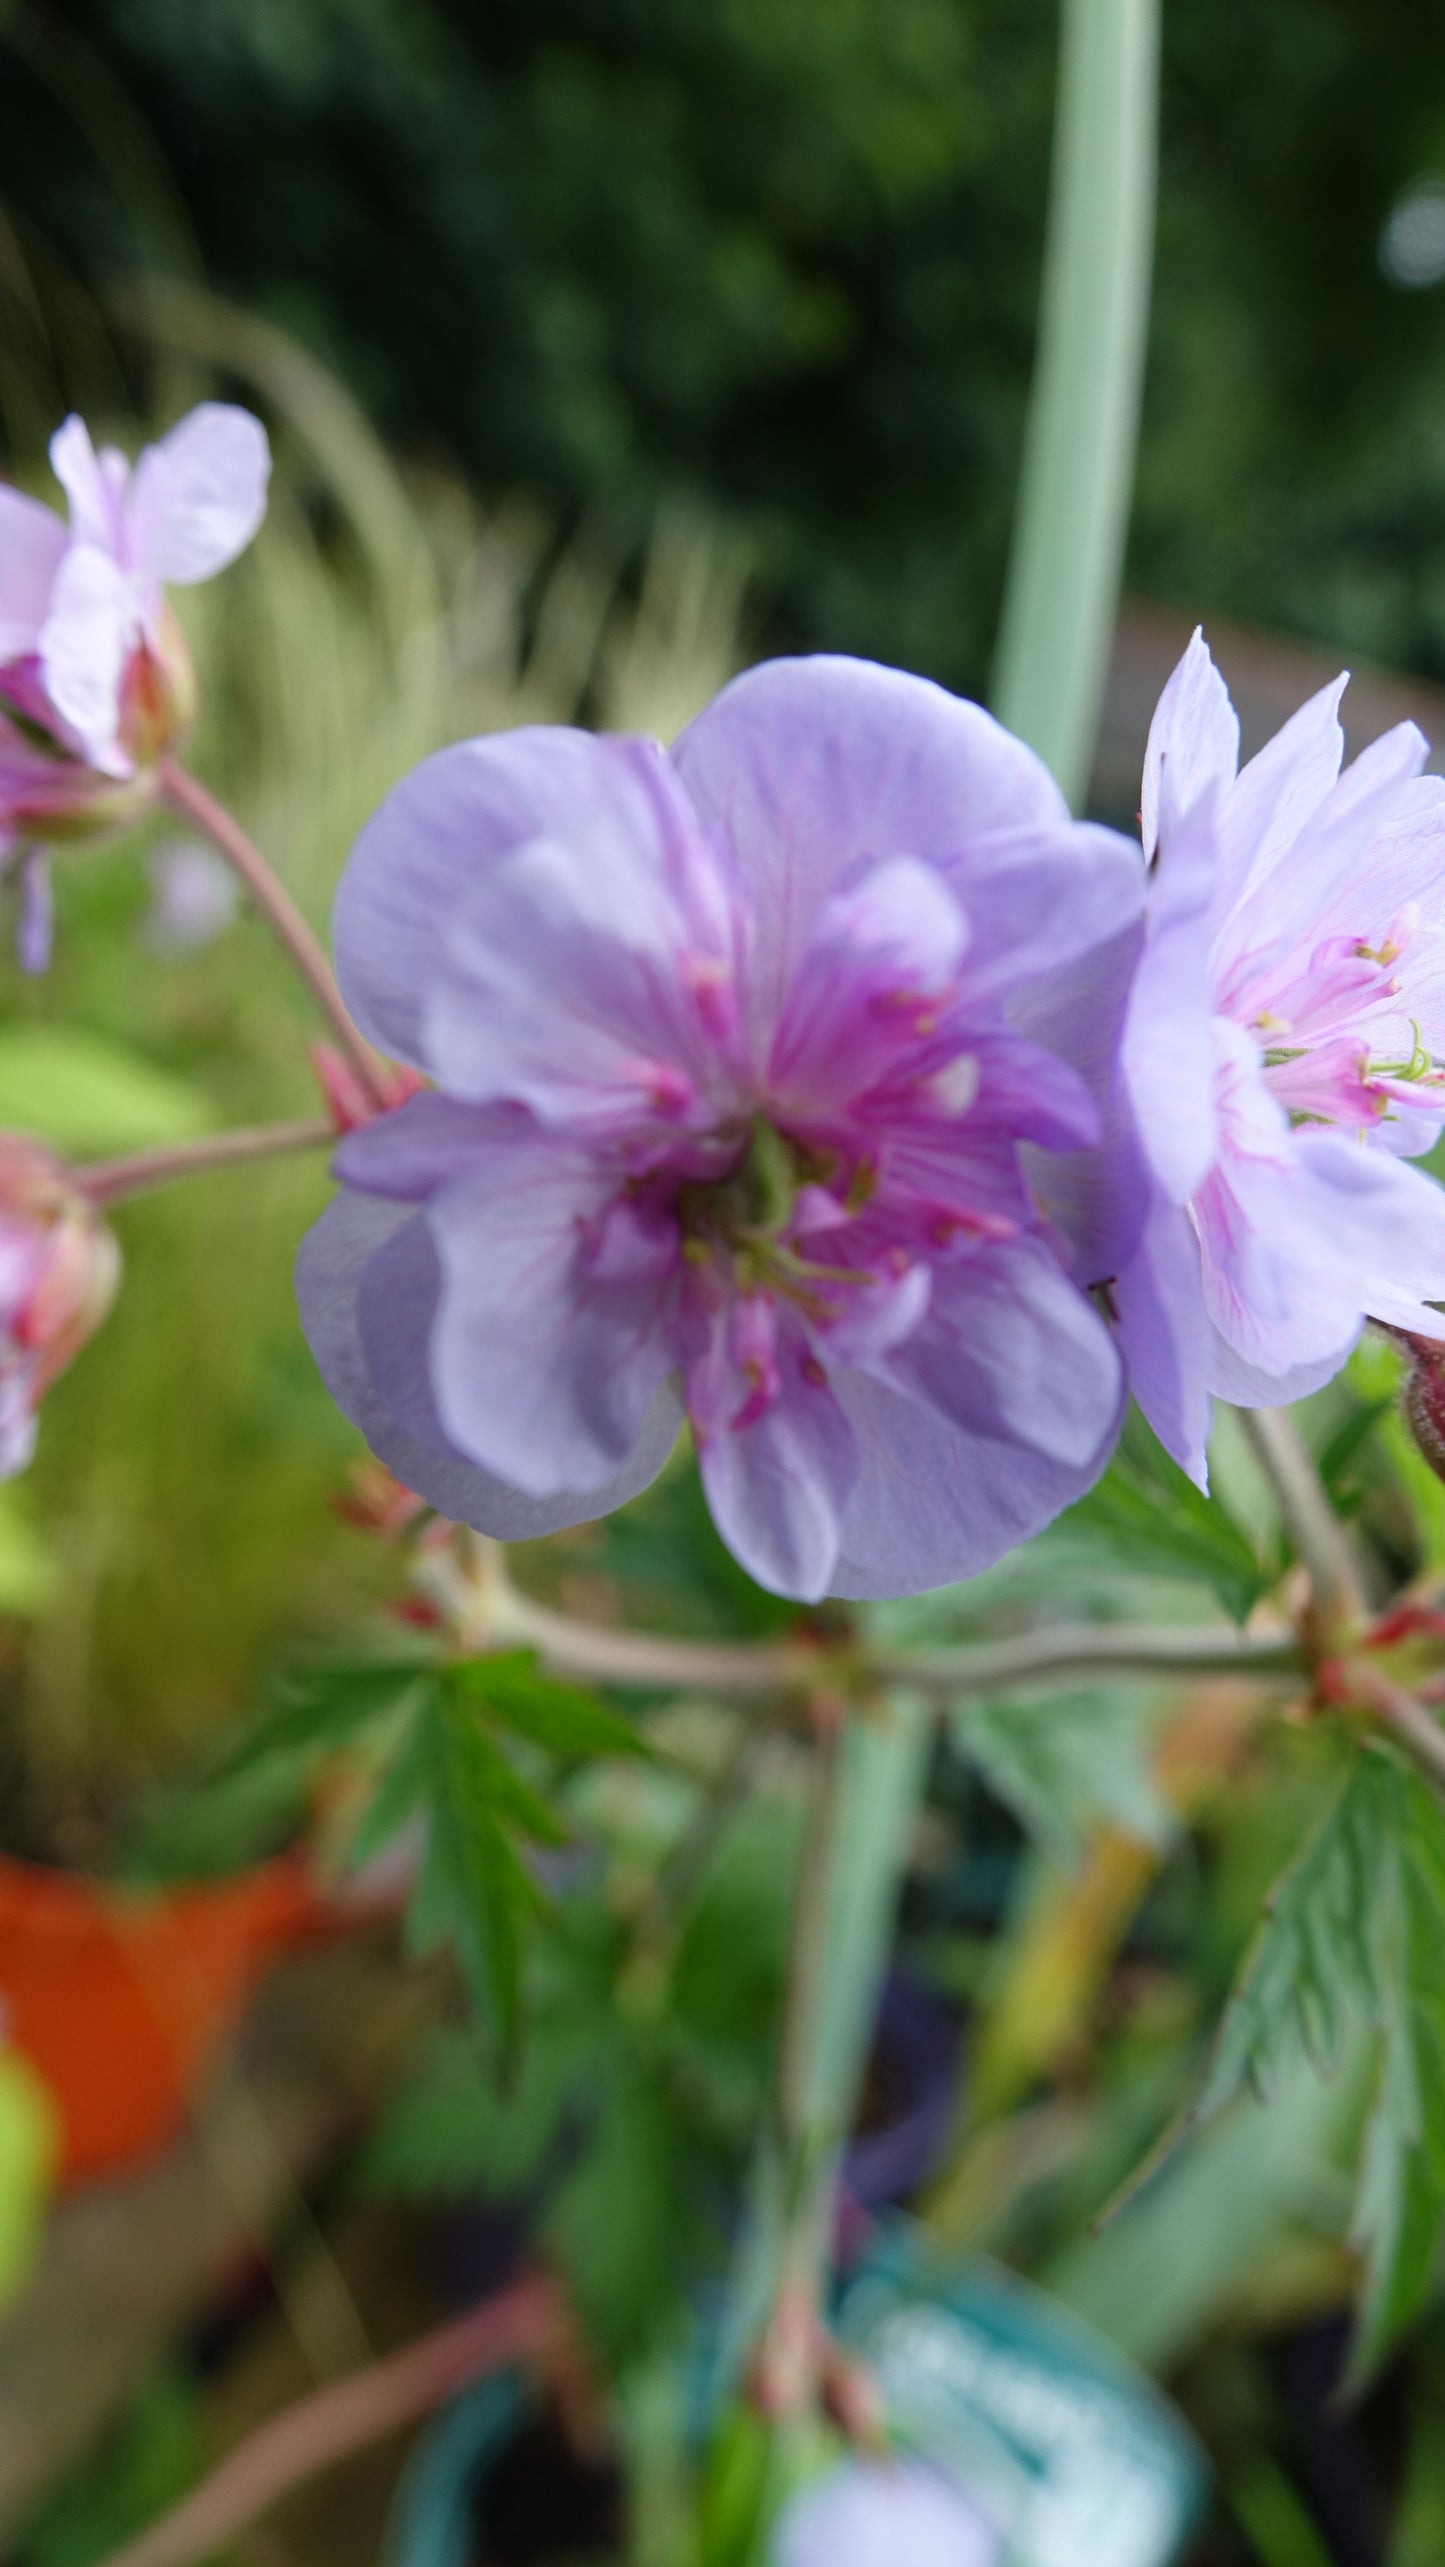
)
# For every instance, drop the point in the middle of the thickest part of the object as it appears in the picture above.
(59, 1268)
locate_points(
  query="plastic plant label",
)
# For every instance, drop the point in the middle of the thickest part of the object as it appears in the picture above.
(1067, 2449)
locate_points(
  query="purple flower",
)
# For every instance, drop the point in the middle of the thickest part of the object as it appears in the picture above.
(95, 680)
(876, 2514)
(730, 1112)
(1282, 1057)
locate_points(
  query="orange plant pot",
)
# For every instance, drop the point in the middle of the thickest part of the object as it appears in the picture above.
(122, 2002)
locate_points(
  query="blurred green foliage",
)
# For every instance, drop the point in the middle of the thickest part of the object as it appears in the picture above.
(785, 256)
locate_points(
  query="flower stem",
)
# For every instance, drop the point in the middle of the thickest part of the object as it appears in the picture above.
(191, 800)
(868, 1779)
(1060, 1655)
(108, 1181)
(1073, 507)
(318, 2431)
(1310, 1520)
(1401, 1716)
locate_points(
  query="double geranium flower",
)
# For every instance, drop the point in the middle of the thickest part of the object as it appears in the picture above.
(825, 1080)
(741, 1056)
(1281, 1057)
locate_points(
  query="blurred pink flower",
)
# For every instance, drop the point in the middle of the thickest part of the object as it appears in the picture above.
(95, 679)
(59, 1268)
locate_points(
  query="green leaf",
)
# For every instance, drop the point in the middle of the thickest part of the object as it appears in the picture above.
(1068, 1764)
(1399, 2218)
(618, 2224)
(402, 1783)
(1313, 1964)
(1159, 1523)
(1352, 1938)
(560, 1717)
(321, 1707)
(82, 1092)
(451, 2131)
(474, 1885)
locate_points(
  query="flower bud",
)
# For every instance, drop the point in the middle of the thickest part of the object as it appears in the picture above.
(59, 1269)
(1423, 1395)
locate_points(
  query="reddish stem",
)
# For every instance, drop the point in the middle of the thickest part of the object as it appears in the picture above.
(186, 796)
(318, 2431)
(108, 1181)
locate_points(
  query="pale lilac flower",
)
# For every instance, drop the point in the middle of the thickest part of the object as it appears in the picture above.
(1282, 1057)
(731, 1112)
(869, 2513)
(194, 897)
(95, 680)
(59, 1267)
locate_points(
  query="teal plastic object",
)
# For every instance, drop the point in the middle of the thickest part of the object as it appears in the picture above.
(1070, 2452)
(434, 2516)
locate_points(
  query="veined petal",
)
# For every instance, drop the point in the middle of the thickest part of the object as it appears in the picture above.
(778, 1481)
(1167, 1056)
(440, 832)
(575, 982)
(198, 496)
(1281, 789)
(871, 981)
(1036, 901)
(386, 1248)
(543, 1366)
(421, 1145)
(1303, 1233)
(1011, 1349)
(32, 547)
(1166, 1337)
(1193, 743)
(936, 1502)
(805, 766)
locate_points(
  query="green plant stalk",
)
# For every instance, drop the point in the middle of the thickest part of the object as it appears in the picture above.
(868, 1786)
(1064, 570)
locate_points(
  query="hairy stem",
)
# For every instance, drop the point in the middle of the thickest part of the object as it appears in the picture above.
(1401, 1716)
(1310, 1520)
(320, 2430)
(191, 800)
(108, 1181)
(1040, 1658)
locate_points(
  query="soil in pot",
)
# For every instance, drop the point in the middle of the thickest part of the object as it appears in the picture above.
(541, 2502)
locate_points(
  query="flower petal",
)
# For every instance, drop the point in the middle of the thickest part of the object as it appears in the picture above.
(436, 836)
(1166, 1338)
(589, 977)
(32, 547)
(93, 483)
(804, 766)
(1167, 1056)
(198, 496)
(1281, 789)
(1193, 743)
(935, 1503)
(1010, 1348)
(777, 1484)
(544, 1358)
(1304, 1233)
(83, 650)
(421, 1145)
(358, 1232)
